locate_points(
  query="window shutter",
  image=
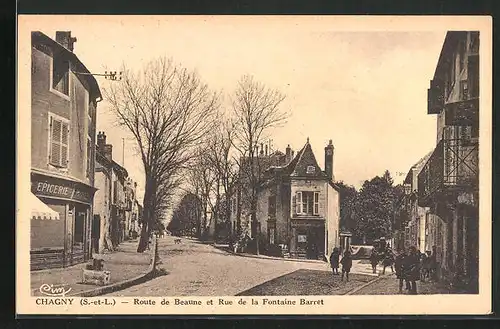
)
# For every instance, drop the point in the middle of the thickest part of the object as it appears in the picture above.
(299, 202)
(316, 203)
(64, 144)
(55, 143)
(294, 205)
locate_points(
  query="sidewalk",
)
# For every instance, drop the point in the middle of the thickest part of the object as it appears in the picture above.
(124, 264)
(389, 285)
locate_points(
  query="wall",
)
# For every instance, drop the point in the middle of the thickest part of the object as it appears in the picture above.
(74, 109)
(263, 208)
(333, 219)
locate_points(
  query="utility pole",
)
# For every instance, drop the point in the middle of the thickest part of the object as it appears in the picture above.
(123, 152)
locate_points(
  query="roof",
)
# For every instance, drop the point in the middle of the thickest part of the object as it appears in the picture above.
(38, 37)
(297, 168)
(105, 161)
(450, 41)
(304, 159)
(419, 165)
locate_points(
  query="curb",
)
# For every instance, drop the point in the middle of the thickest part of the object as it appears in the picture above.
(365, 285)
(273, 258)
(123, 284)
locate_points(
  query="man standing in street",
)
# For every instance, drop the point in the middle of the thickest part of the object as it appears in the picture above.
(412, 269)
(346, 265)
(398, 264)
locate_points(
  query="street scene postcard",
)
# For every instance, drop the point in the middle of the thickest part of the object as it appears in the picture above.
(248, 165)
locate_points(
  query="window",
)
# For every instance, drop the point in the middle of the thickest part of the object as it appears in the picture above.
(307, 203)
(60, 74)
(311, 169)
(316, 203)
(59, 131)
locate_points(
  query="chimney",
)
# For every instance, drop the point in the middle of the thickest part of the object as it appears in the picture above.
(64, 38)
(101, 141)
(288, 154)
(108, 152)
(329, 160)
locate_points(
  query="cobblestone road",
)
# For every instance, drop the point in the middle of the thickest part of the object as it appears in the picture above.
(196, 269)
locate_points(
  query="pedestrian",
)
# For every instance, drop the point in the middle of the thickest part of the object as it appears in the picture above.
(433, 264)
(388, 260)
(412, 269)
(398, 265)
(374, 260)
(334, 261)
(346, 265)
(424, 267)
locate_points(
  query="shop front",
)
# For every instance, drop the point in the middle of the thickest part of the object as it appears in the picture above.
(67, 240)
(308, 239)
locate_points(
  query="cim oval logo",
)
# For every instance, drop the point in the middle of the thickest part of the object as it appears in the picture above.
(52, 290)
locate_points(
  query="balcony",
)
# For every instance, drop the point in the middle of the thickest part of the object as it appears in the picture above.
(452, 167)
(435, 97)
(464, 113)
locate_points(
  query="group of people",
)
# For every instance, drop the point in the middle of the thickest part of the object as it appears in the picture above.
(410, 266)
(346, 263)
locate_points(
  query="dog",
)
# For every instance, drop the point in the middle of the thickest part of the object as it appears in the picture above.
(177, 241)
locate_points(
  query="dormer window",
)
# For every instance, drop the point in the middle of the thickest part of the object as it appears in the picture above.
(311, 169)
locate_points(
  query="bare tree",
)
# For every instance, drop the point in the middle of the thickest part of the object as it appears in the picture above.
(256, 109)
(168, 110)
(220, 158)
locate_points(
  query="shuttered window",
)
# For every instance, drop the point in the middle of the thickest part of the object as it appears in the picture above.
(316, 203)
(298, 202)
(59, 135)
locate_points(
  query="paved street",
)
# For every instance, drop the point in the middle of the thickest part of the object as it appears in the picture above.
(389, 285)
(196, 269)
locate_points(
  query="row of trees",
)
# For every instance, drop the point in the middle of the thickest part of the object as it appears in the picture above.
(369, 212)
(188, 141)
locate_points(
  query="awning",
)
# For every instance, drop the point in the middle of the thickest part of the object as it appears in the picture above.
(40, 210)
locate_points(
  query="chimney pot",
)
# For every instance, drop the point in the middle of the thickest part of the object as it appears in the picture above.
(64, 38)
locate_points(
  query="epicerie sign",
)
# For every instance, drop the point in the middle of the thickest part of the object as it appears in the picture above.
(59, 188)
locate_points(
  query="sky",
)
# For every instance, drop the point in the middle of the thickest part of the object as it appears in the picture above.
(365, 90)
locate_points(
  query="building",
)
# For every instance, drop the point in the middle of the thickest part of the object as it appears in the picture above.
(449, 181)
(64, 97)
(109, 200)
(299, 205)
(417, 217)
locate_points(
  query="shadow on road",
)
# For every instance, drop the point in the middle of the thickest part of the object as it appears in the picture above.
(307, 282)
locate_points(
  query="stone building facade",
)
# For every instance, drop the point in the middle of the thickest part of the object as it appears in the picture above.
(64, 97)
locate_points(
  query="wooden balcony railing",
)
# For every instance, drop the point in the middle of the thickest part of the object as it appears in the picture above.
(452, 166)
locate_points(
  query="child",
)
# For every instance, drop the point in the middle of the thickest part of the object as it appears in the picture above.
(388, 260)
(398, 264)
(346, 265)
(334, 261)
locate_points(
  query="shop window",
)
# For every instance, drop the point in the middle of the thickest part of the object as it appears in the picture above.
(59, 136)
(60, 74)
